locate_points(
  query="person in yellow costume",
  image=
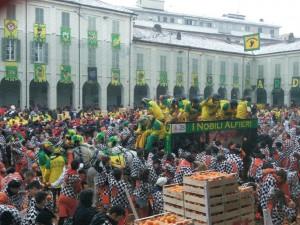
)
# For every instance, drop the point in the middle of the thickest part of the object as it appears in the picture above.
(165, 103)
(243, 109)
(142, 132)
(227, 109)
(153, 109)
(209, 108)
(184, 106)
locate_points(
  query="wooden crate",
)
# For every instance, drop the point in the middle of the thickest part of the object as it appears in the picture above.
(173, 201)
(179, 220)
(174, 209)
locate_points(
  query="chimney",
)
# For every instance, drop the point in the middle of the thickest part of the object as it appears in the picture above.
(151, 4)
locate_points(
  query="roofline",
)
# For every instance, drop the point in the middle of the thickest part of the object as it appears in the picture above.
(281, 52)
(190, 47)
(203, 17)
(203, 32)
(98, 7)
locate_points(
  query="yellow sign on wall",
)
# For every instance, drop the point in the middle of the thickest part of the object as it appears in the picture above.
(252, 42)
(295, 82)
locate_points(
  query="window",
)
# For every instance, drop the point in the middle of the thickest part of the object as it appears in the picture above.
(235, 69)
(65, 19)
(172, 20)
(39, 52)
(11, 12)
(209, 67)
(158, 18)
(296, 69)
(277, 70)
(165, 19)
(272, 33)
(92, 57)
(260, 71)
(223, 68)
(259, 30)
(65, 54)
(140, 61)
(201, 24)
(92, 23)
(188, 22)
(247, 28)
(39, 15)
(179, 65)
(248, 70)
(195, 66)
(115, 59)
(116, 27)
(163, 63)
(209, 24)
(10, 49)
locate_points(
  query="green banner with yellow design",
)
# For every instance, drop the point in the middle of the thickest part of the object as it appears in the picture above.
(39, 32)
(260, 83)
(65, 74)
(236, 82)
(248, 82)
(163, 79)
(115, 40)
(179, 80)
(10, 29)
(195, 80)
(40, 73)
(115, 77)
(209, 80)
(11, 72)
(65, 35)
(140, 78)
(92, 38)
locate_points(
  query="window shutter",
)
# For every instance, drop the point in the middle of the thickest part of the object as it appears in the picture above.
(32, 51)
(46, 53)
(3, 46)
(18, 53)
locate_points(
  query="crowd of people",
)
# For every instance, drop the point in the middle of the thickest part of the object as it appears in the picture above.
(90, 167)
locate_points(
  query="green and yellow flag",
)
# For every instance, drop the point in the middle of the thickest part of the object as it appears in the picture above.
(10, 29)
(65, 35)
(140, 78)
(65, 74)
(277, 83)
(40, 73)
(260, 83)
(209, 80)
(236, 82)
(195, 80)
(252, 42)
(179, 80)
(222, 79)
(163, 79)
(248, 82)
(39, 32)
(11, 71)
(115, 77)
(92, 38)
(115, 40)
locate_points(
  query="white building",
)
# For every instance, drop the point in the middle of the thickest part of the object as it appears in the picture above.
(154, 57)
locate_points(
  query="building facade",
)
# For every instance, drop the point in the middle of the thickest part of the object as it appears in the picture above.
(88, 53)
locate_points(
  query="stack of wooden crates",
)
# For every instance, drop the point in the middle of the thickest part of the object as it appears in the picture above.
(217, 201)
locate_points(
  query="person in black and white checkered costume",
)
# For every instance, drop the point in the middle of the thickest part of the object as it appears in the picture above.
(10, 215)
(157, 196)
(138, 164)
(117, 187)
(223, 165)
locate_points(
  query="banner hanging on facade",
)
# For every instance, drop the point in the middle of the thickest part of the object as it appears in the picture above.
(252, 42)
(296, 82)
(92, 73)
(65, 74)
(260, 83)
(65, 35)
(236, 82)
(209, 80)
(163, 79)
(10, 29)
(115, 40)
(40, 73)
(179, 80)
(140, 78)
(92, 38)
(248, 82)
(11, 72)
(277, 83)
(195, 80)
(222, 80)
(115, 77)
(39, 32)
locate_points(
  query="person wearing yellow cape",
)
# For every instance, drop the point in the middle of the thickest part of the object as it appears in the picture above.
(209, 108)
(142, 132)
(165, 103)
(184, 106)
(153, 108)
(244, 109)
(227, 109)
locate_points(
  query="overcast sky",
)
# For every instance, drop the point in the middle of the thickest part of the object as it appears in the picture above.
(284, 13)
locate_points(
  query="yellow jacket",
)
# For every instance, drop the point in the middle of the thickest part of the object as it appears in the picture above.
(209, 109)
(242, 111)
(54, 169)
